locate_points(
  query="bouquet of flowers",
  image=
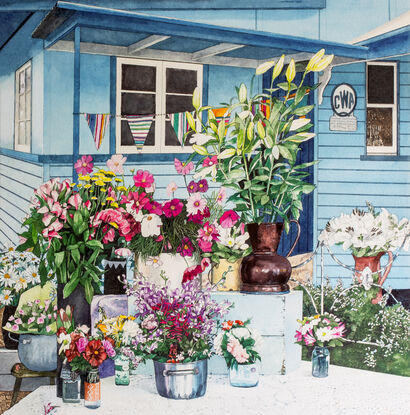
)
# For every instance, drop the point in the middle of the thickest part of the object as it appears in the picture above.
(127, 335)
(18, 273)
(367, 233)
(177, 324)
(238, 343)
(320, 330)
(34, 318)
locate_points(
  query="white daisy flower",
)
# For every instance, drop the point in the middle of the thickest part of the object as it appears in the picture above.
(21, 282)
(154, 261)
(32, 275)
(8, 276)
(5, 297)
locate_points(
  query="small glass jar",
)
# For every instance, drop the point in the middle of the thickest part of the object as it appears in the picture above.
(92, 389)
(71, 385)
(320, 362)
(244, 376)
(122, 370)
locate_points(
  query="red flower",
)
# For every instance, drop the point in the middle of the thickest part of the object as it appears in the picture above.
(239, 322)
(154, 207)
(191, 272)
(95, 353)
(143, 179)
(172, 208)
(229, 219)
(72, 351)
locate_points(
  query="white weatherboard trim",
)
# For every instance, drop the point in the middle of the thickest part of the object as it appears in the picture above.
(215, 50)
(146, 43)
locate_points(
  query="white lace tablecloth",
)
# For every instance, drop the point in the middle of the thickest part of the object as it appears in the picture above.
(345, 392)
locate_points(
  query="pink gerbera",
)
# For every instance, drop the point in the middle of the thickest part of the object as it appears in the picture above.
(116, 162)
(172, 208)
(182, 167)
(195, 204)
(144, 179)
(84, 165)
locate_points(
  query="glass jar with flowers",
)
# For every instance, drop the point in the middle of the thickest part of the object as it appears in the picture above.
(368, 235)
(320, 331)
(84, 354)
(18, 273)
(177, 325)
(35, 322)
(253, 151)
(240, 346)
(128, 339)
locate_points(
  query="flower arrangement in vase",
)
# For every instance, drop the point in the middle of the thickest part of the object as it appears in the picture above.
(178, 326)
(240, 346)
(255, 155)
(320, 331)
(368, 235)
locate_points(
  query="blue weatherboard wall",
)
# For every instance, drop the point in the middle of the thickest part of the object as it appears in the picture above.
(346, 181)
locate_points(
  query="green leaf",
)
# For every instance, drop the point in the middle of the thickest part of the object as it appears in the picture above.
(75, 253)
(77, 221)
(94, 244)
(285, 152)
(262, 178)
(308, 188)
(303, 110)
(70, 286)
(265, 199)
(58, 259)
(89, 291)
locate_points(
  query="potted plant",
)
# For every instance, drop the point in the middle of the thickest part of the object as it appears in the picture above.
(240, 346)
(177, 325)
(368, 235)
(18, 273)
(36, 325)
(320, 331)
(254, 154)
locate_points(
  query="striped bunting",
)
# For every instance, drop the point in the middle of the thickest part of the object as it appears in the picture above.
(98, 124)
(139, 126)
(180, 124)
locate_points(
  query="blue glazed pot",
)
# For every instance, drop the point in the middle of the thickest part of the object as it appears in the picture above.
(38, 352)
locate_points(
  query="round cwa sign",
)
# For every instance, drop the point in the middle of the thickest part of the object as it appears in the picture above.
(344, 100)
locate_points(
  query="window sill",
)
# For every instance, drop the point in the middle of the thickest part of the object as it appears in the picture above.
(380, 157)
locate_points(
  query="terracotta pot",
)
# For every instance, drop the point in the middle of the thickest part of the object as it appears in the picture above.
(373, 262)
(264, 270)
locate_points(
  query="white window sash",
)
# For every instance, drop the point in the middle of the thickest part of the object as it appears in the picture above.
(26, 146)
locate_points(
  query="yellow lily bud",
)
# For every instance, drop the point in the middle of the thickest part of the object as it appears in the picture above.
(263, 67)
(278, 67)
(315, 59)
(323, 64)
(291, 71)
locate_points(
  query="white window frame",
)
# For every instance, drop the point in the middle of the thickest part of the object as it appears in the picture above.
(160, 104)
(384, 150)
(27, 92)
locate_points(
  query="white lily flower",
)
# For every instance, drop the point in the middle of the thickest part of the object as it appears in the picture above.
(200, 139)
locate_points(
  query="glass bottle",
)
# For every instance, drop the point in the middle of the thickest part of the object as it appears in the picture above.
(71, 385)
(244, 376)
(92, 389)
(122, 370)
(320, 362)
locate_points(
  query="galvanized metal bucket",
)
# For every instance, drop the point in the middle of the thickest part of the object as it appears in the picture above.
(181, 380)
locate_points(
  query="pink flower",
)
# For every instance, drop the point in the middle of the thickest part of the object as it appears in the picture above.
(338, 331)
(205, 246)
(242, 228)
(30, 320)
(191, 272)
(171, 189)
(237, 350)
(154, 207)
(109, 235)
(124, 252)
(229, 219)
(298, 336)
(108, 348)
(172, 208)
(52, 230)
(75, 200)
(40, 320)
(143, 179)
(186, 248)
(18, 321)
(21, 312)
(84, 165)
(220, 198)
(195, 204)
(309, 338)
(208, 232)
(210, 161)
(183, 168)
(202, 186)
(192, 187)
(149, 323)
(15, 327)
(48, 329)
(47, 218)
(81, 344)
(116, 162)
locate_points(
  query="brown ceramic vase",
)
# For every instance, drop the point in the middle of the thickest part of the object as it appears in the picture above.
(264, 270)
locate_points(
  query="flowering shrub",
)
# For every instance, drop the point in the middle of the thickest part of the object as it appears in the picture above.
(178, 324)
(34, 318)
(127, 335)
(320, 331)
(18, 273)
(367, 233)
(238, 343)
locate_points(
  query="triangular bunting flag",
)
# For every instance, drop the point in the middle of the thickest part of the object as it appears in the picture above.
(180, 124)
(98, 124)
(139, 126)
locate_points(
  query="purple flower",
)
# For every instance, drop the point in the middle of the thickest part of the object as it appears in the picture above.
(81, 344)
(192, 187)
(202, 186)
(108, 348)
(186, 248)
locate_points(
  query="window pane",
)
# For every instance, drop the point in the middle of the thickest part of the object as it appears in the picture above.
(379, 127)
(22, 107)
(139, 78)
(177, 103)
(21, 83)
(28, 106)
(380, 84)
(137, 104)
(28, 78)
(22, 133)
(28, 132)
(128, 140)
(181, 81)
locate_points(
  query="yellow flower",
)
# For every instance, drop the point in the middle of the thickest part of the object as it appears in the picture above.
(106, 179)
(102, 204)
(99, 182)
(118, 180)
(87, 186)
(72, 184)
(114, 225)
(93, 198)
(103, 189)
(94, 179)
(114, 204)
(101, 171)
(102, 328)
(110, 173)
(79, 185)
(110, 199)
(84, 178)
(122, 188)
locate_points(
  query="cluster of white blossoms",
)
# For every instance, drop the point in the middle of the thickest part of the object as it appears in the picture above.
(367, 233)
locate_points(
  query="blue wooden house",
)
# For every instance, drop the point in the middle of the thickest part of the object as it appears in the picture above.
(61, 61)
